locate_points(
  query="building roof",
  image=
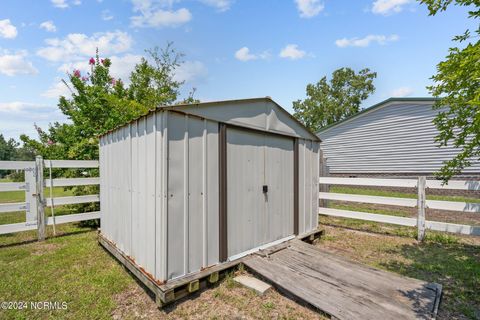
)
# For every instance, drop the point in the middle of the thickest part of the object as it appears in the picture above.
(379, 105)
(200, 109)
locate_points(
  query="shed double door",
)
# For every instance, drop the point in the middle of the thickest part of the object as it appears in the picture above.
(259, 189)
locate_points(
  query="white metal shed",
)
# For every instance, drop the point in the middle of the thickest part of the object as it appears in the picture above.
(190, 186)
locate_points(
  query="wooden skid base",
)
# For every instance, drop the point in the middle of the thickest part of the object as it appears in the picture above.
(174, 289)
(311, 236)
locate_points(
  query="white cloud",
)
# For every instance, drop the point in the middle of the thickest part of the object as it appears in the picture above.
(18, 117)
(309, 8)
(123, 66)
(63, 4)
(48, 26)
(243, 54)
(19, 107)
(365, 41)
(57, 89)
(291, 51)
(7, 29)
(386, 7)
(402, 92)
(78, 45)
(190, 71)
(158, 14)
(12, 64)
(107, 15)
(221, 5)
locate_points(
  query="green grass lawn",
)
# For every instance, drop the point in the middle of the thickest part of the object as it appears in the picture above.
(385, 193)
(73, 268)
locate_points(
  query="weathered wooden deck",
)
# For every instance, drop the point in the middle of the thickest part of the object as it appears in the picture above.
(342, 288)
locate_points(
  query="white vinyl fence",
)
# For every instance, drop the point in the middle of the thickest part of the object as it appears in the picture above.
(35, 201)
(420, 203)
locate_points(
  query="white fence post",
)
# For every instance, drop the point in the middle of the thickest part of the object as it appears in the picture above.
(41, 219)
(421, 201)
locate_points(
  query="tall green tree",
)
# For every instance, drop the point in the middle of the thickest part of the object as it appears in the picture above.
(457, 85)
(7, 148)
(99, 103)
(330, 101)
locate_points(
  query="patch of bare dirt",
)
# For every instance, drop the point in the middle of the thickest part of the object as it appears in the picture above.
(41, 248)
(227, 300)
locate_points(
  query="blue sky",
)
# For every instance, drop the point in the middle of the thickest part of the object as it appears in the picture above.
(233, 48)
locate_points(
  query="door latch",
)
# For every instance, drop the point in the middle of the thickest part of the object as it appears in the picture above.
(265, 189)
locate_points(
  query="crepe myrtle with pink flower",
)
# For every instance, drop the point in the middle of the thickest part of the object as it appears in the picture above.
(98, 101)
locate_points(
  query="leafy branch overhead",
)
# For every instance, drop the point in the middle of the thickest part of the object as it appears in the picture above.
(330, 101)
(457, 84)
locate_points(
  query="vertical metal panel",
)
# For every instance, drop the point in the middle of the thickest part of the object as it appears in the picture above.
(212, 193)
(279, 172)
(176, 184)
(301, 186)
(150, 169)
(245, 200)
(160, 228)
(195, 203)
(141, 204)
(135, 190)
(222, 195)
(126, 153)
(315, 185)
(296, 208)
(308, 184)
(165, 195)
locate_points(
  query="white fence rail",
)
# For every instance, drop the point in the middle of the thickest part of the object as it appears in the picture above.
(35, 201)
(421, 184)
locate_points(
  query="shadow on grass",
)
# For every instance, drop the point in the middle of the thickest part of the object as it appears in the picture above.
(27, 237)
(452, 264)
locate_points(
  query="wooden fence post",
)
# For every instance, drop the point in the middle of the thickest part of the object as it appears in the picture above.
(41, 219)
(421, 200)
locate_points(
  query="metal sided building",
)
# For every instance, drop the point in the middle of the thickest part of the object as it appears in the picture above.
(393, 137)
(192, 186)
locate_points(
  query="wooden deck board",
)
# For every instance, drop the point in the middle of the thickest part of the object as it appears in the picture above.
(345, 289)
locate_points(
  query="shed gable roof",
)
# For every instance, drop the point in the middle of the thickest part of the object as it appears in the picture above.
(262, 114)
(257, 113)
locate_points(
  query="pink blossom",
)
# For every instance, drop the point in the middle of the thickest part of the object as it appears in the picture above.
(76, 73)
(91, 61)
(49, 142)
(114, 82)
(102, 61)
(84, 78)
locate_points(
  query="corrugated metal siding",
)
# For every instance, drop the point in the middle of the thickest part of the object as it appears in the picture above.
(397, 138)
(131, 203)
(193, 194)
(308, 168)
